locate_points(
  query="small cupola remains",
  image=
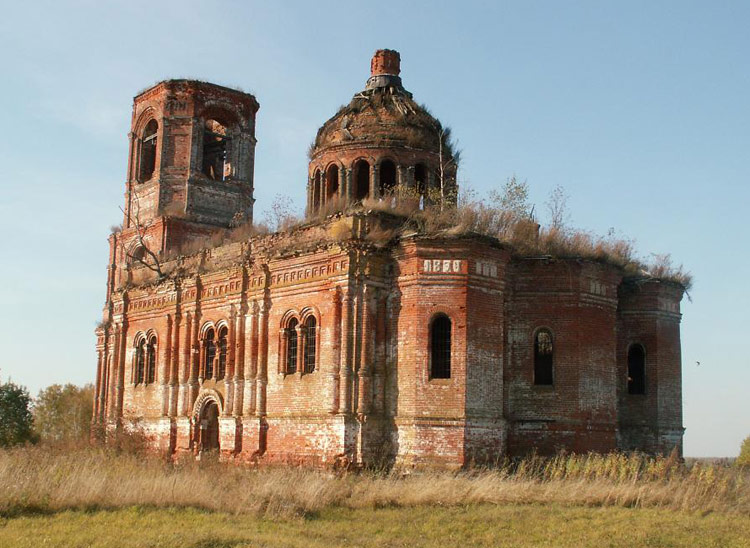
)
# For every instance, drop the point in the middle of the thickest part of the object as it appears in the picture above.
(381, 146)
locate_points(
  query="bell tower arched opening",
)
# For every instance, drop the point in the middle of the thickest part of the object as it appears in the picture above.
(215, 150)
(148, 152)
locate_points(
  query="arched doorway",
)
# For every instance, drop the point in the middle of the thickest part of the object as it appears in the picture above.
(208, 425)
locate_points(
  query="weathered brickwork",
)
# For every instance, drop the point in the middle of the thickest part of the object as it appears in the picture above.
(649, 315)
(321, 346)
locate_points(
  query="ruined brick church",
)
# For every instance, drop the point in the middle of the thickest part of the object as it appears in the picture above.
(324, 345)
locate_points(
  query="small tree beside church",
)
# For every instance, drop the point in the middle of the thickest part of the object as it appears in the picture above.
(63, 413)
(16, 420)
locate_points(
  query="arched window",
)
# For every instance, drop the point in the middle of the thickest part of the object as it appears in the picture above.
(140, 360)
(440, 347)
(222, 369)
(332, 181)
(361, 180)
(420, 184)
(543, 357)
(291, 346)
(310, 344)
(316, 191)
(636, 370)
(215, 151)
(387, 177)
(209, 354)
(151, 360)
(147, 163)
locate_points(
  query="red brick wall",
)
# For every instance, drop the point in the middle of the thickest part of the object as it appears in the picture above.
(430, 412)
(371, 398)
(577, 301)
(486, 433)
(649, 315)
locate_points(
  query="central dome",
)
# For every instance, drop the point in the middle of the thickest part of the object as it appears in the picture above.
(382, 143)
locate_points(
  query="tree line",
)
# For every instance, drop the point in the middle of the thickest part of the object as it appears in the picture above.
(59, 414)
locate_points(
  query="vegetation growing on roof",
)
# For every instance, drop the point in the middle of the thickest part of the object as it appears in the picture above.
(386, 106)
(506, 216)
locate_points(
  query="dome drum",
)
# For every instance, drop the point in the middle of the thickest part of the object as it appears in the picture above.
(335, 179)
(381, 144)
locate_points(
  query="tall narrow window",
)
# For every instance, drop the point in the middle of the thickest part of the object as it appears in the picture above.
(420, 184)
(222, 369)
(209, 353)
(316, 191)
(215, 149)
(140, 360)
(636, 370)
(332, 182)
(310, 344)
(543, 357)
(148, 151)
(361, 180)
(387, 177)
(440, 348)
(151, 360)
(291, 346)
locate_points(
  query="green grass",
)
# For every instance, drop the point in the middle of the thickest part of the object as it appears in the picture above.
(473, 525)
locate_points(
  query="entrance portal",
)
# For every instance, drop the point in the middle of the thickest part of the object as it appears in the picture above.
(209, 427)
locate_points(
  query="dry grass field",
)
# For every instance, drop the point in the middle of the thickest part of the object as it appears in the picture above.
(97, 497)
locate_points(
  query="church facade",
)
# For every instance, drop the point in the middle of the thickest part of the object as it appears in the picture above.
(325, 345)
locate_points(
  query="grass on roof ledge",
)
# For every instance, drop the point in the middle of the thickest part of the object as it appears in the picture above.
(522, 234)
(527, 238)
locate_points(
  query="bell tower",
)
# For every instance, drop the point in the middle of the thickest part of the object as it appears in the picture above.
(190, 171)
(192, 155)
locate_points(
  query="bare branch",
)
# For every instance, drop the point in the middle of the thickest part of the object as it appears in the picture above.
(142, 258)
(282, 214)
(557, 206)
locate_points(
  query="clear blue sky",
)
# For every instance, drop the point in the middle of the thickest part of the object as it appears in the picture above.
(639, 109)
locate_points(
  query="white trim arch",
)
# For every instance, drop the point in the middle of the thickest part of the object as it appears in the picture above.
(205, 396)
